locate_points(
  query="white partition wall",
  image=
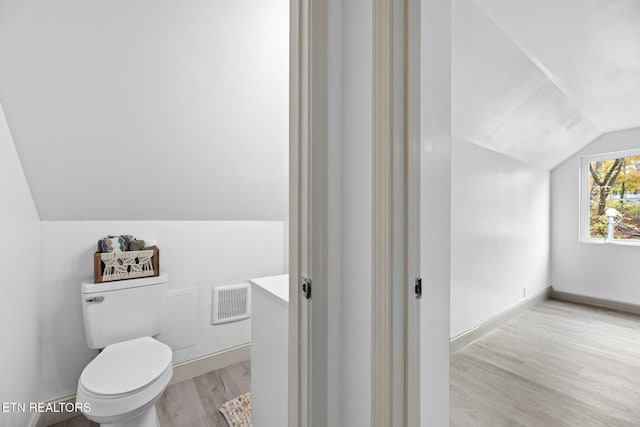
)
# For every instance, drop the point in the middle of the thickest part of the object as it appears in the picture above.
(499, 233)
(604, 271)
(20, 285)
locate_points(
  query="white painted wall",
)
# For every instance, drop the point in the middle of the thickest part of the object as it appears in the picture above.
(595, 270)
(581, 45)
(539, 80)
(20, 285)
(352, 196)
(149, 109)
(499, 233)
(504, 97)
(435, 209)
(195, 254)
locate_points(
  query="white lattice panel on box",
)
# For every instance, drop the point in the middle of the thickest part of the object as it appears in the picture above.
(110, 266)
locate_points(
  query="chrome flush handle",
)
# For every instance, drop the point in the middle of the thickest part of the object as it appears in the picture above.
(95, 299)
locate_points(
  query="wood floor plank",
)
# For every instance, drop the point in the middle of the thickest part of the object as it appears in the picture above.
(237, 378)
(78, 421)
(195, 402)
(558, 364)
(182, 406)
(213, 393)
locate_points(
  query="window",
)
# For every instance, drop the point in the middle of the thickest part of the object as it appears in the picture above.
(611, 197)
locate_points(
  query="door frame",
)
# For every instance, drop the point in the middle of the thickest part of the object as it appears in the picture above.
(395, 323)
(297, 377)
(308, 215)
(412, 186)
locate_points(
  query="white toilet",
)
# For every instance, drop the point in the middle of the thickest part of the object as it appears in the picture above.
(122, 384)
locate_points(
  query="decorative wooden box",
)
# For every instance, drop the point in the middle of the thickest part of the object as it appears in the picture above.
(111, 266)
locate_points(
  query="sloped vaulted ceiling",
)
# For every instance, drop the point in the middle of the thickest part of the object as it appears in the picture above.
(540, 79)
(149, 109)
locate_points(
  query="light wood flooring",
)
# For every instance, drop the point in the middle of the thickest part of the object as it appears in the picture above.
(195, 402)
(558, 364)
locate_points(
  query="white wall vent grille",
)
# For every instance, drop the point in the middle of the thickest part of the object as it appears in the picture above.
(231, 303)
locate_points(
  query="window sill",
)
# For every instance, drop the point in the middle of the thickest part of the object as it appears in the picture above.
(612, 242)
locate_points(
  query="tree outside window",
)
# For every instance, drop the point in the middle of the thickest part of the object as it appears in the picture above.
(615, 183)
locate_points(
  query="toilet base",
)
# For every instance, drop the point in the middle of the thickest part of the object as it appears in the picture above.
(147, 418)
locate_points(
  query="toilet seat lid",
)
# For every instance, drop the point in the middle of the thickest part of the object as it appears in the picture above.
(126, 367)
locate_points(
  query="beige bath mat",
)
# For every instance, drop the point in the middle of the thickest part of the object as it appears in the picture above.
(237, 411)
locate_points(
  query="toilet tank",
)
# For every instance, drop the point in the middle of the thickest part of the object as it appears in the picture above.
(123, 310)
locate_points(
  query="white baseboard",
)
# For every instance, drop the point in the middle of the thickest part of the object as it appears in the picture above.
(598, 302)
(211, 362)
(181, 372)
(478, 331)
(44, 419)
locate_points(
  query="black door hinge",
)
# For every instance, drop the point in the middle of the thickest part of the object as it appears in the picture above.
(418, 288)
(306, 287)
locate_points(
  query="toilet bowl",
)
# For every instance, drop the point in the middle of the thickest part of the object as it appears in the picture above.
(122, 384)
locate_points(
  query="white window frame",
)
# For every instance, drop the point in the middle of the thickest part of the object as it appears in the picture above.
(585, 236)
